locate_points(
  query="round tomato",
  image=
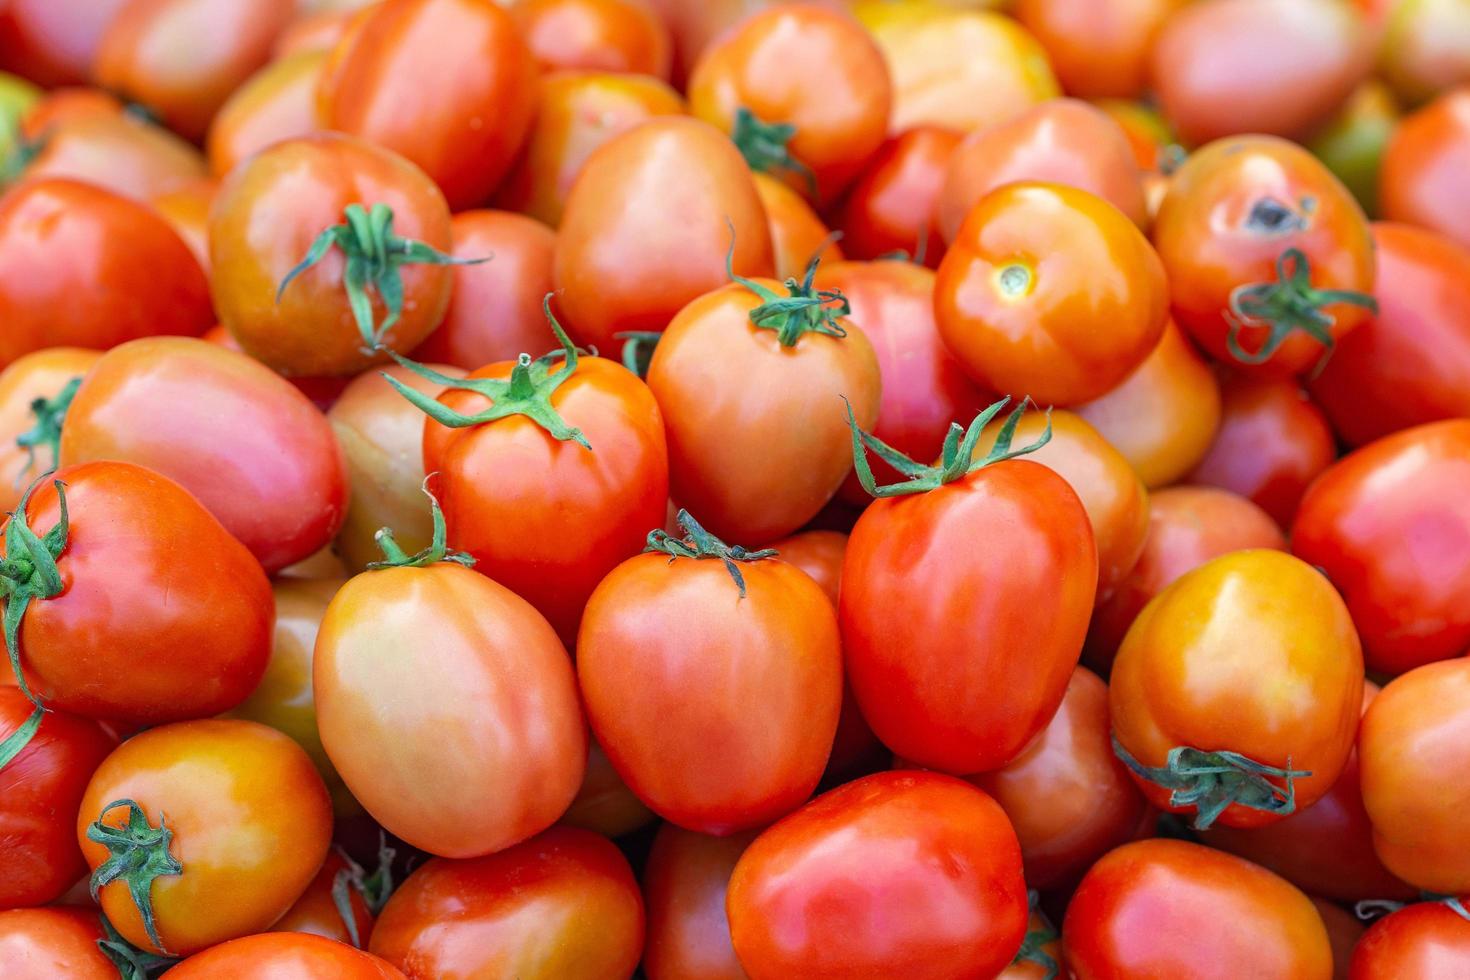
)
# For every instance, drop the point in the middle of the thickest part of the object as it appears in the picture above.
(604, 803)
(1426, 939)
(890, 207)
(276, 103)
(798, 236)
(333, 906)
(35, 393)
(1426, 47)
(53, 42)
(1098, 48)
(695, 25)
(898, 874)
(186, 208)
(596, 35)
(1426, 165)
(684, 886)
(43, 944)
(285, 954)
(114, 150)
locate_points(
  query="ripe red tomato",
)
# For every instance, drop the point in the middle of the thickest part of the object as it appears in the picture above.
(29, 432)
(46, 943)
(684, 886)
(285, 954)
(82, 267)
(890, 207)
(101, 145)
(797, 233)
(1050, 292)
(186, 795)
(1425, 939)
(276, 103)
(604, 804)
(898, 874)
(1098, 48)
(1388, 525)
(53, 42)
(561, 906)
(1180, 889)
(596, 35)
(1427, 164)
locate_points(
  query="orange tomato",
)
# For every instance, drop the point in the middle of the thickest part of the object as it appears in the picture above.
(118, 152)
(1427, 163)
(1098, 48)
(317, 913)
(187, 209)
(283, 954)
(319, 31)
(797, 234)
(695, 23)
(29, 433)
(276, 103)
(890, 207)
(684, 886)
(598, 35)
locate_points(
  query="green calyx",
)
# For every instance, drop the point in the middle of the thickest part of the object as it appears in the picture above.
(374, 889)
(528, 392)
(1285, 306)
(374, 257)
(1031, 947)
(638, 348)
(767, 147)
(1375, 908)
(1211, 782)
(699, 544)
(50, 413)
(138, 854)
(803, 310)
(957, 457)
(28, 572)
(437, 551)
(132, 963)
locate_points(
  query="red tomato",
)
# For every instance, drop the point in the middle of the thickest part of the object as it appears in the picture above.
(1272, 442)
(285, 955)
(53, 42)
(1427, 164)
(1390, 526)
(684, 887)
(797, 233)
(604, 803)
(319, 31)
(899, 874)
(1410, 364)
(1098, 48)
(1426, 939)
(323, 392)
(890, 207)
(117, 152)
(43, 944)
(466, 58)
(276, 103)
(29, 432)
(561, 906)
(598, 35)
(695, 24)
(1125, 918)
(82, 267)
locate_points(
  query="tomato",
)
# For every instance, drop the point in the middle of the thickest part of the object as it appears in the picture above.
(187, 795)
(598, 35)
(714, 690)
(1236, 693)
(53, 42)
(561, 906)
(1413, 736)
(1040, 955)
(890, 207)
(577, 112)
(604, 803)
(819, 554)
(1426, 939)
(269, 213)
(468, 58)
(1050, 292)
(183, 58)
(263, 459)
(1388, 525)
(158, 614)
(186, 208)
(1426, 165)
(287, 956)
(276, 103)
(1425, 47)
(1153, 141)
(1257, 66)
(1062, 831)
(803, 92)
(116, 152)
(318, 913)
(1410, 364)
(797, 233)
(317, 31)
(684, 886)
(732, 377)
(42, 944)
(948, 669)
(909, 874)
(1269, 258)
(647, 227)
(35, 392)
(1098, 48)
(63, 105)
(1132, 911)
(1343, 932)
(322, 392)
(695, 24)
(1352, 143)
(82, 267)
(1163, 417)
(1187, 526)
(1063, 141)
(1273, 441)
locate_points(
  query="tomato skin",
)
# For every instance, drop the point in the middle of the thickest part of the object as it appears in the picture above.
(561, 906)
(645, 229)
(1353, 141)
(319, 31)
(315, 912)
(197, 630)
(1424, 48)
(931, 633)
(53, 42)
(261, 436)
(276, 103)
(684, 886)
(45, 943)
(890, 206)
(597, 35)
(1388, 525)
(265, 218)
(116, 152)
(1273, 441)
(280, 955)
(1183, 889)
(1089, 307)
(260, 787)
(470, 55)
(1191, 672)
(604, 804)
(1211, 239)
(1064, 141)
(695, 25)
(1410, 364)
(797, 233)
(1426, 939)
(1097, 49)
(186, 208)
(750, 743)
(39, 374)
(1426, 164)
(919, 875)
(40, 789)
(82, 267)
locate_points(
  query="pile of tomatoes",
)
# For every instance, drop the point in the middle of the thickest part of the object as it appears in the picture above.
(994, 504)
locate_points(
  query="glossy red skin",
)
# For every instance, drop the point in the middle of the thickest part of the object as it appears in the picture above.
(898, 874)
(548, 519)
(82, 267)
(255, 452)
(1410, 364)
(316, 913)
(1272, 442)
(1063, 828)
(1426, 939)
(40, 790)
(684, 884)
(285, 956)
(598, 35)
(276, 103)
(562, 906)
(1390, 526)
(1153, 910)
(164, 616)
(890, 207)
(1098, 48)
(717, 710)
(482, 77)
(116, 152)
(53, 42)
(1427, 165)
(323, 392)
(495, 309)
(938, 612)
(43, 944)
